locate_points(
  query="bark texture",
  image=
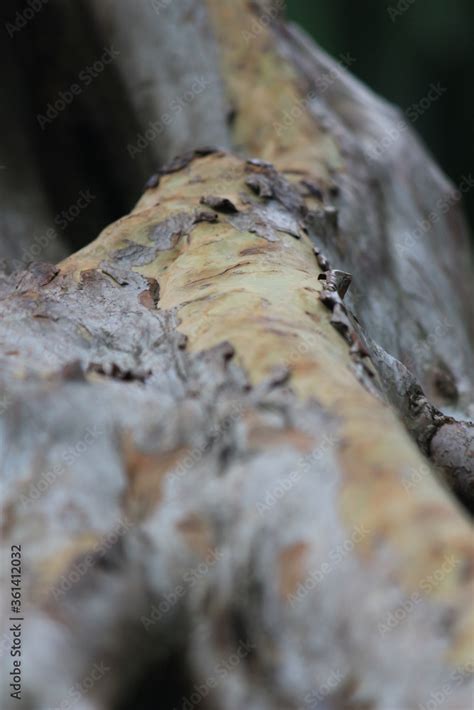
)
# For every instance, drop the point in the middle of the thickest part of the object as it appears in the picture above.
(218, 417)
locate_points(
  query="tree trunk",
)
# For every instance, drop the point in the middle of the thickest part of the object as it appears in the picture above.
(230, 424)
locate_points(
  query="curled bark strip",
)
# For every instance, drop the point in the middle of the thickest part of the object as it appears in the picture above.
(222, 204)
(336, 280)
(261, 185)
(177, 163)
(323, 262)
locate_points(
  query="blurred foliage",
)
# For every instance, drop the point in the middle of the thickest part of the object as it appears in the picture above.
(399, 53)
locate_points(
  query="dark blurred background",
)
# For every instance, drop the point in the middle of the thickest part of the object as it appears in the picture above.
(401, 47)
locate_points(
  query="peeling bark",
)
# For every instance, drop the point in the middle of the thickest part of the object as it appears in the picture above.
(209, 413)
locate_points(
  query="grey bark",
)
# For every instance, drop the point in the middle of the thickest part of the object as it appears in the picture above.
(99, 394)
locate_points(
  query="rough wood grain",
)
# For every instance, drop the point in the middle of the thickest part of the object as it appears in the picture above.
(206, 440)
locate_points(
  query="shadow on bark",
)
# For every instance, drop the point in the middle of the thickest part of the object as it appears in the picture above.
(166, 685)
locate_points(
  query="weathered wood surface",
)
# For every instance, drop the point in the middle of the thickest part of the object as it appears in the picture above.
(205, 449)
